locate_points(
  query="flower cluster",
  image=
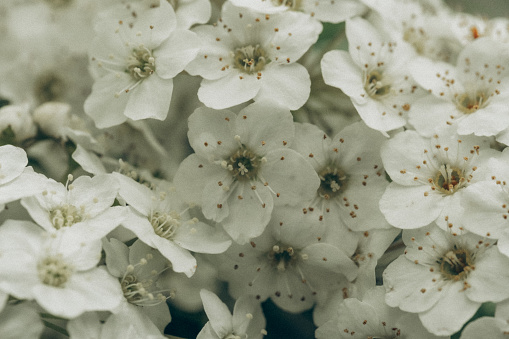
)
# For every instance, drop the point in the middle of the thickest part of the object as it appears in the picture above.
(167, 161)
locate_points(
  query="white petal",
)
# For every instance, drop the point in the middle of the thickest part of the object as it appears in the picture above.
(13, 161)
(290, 176)
(175, 53)
(106, 105)
(265, 126)
(288, 85)
(94, 290)
(490, 278)
(193, 174)
(232, 89)
(201, 238)
(409, 207)
(211, 133)
(150, 99)
(218, 313)
(340, 71)
(453, 302)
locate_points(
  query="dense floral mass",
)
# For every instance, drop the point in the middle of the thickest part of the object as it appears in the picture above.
(203, 168)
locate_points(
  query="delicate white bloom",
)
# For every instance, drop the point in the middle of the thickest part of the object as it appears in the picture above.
(40, 67)
(473, 95)
(84, 205)
(250, 55)
(16, 180)
(161, 220)
(372, 318)
(323, 10)
(20, 322)
(135, 58)
(138, 268)
(467, 28)
(486, 202)
(58, 271)
(423, 25)
(289, 262)
(374, 74)
(429, 176)
(445, 278)
(188, 12)
(247, 320)
(53, 118)
(352, 179)
(127, 324)
(371, 245)
(19, 120)
(243, 167)
(489, 327)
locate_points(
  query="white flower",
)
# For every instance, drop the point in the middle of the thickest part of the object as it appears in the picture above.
(372, 318)
(161, 220)
(19, 119)
(323, 10)
(249, 55)
(243, 166)
(489, 327)
(289, 262)
(371, 245)
(486, 202)
(188, 12)
(83, 205)
(138, 268)
(20, 321)
(429, 176)
(135, 62)
(352, 179)
(473, 95)
(445, 278)
(247, 320)
(127, 324)
(373, 73)
(16, 180)
(58, 271)
(423, 25)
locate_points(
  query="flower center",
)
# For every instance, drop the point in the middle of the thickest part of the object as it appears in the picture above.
(49, 87)
(66, 216)
(332, 183)
(165, 224)
(281, 257)
(449, 179)
(250, 59)
(137, 292)
(469, 104)
(456, 264)
(244, 164)
(293, 4)
(141, 63)
(374, 85)
(54, 271)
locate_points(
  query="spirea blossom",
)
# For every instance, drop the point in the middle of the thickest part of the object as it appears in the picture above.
(243, 167)
(135, 58)
(374, 74)
(429, 176)
(443, 274)
(249, 55)
(59, 272)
